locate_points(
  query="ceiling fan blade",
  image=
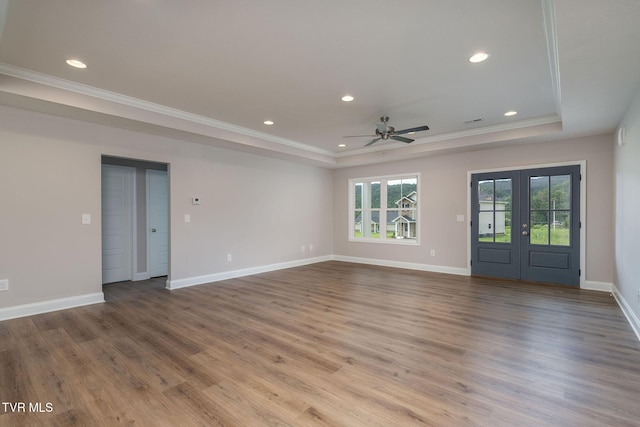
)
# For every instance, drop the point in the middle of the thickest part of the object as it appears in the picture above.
(358, 136)
(373, 141)
(416, 129)
(402, 138)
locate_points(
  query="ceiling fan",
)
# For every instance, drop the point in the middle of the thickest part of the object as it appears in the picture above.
(384, 132)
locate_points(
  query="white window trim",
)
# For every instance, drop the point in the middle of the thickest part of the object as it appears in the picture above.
(383, 209)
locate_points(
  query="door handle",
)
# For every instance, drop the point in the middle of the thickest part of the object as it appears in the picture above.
(153, 230)
(525, 233)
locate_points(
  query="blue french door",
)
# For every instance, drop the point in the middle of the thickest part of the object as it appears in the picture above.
(526, 225)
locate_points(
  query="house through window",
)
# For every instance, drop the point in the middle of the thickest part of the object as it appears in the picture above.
(384, 209)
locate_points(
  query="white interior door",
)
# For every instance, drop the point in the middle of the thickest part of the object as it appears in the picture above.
(157, 222)
(117, 220)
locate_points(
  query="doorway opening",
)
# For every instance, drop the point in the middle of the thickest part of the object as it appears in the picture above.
(135, 219)
(526, 224)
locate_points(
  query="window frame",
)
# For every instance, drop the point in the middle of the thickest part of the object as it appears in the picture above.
(383, 179)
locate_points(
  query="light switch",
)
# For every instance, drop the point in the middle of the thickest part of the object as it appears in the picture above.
(86, 219)
(187, 218)
(460, 218)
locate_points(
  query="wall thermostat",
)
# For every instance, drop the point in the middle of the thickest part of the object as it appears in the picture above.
(195, 200)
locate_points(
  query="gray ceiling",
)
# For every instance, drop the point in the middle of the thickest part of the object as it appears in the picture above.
(214, 71)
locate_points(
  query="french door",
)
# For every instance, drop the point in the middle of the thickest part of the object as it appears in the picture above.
(526, 224)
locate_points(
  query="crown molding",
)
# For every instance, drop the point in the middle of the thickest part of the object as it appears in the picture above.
(549, 17)
(130, 105)
(113, 97)
(471, 133)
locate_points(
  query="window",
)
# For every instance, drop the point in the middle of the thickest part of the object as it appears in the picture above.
(384, 209)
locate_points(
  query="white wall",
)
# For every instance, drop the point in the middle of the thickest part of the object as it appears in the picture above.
(443, 195)
(263, 210)
(260, 210)
(46, 184)
(627, 215)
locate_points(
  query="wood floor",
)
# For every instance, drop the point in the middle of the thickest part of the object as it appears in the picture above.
(331, 344)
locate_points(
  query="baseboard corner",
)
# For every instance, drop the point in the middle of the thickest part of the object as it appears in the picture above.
(598, 286)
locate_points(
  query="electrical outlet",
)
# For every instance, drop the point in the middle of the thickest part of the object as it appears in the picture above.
(302, 249)
(433, 252)
(229, 257)
(310, 248)
(4, 285)
(187, 218)
(86, 219)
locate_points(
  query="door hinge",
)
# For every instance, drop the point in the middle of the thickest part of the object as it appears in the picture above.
(470, 223)
(579, 224)
(471, 184)
(579, 273)
(471, 262)
(580, 177)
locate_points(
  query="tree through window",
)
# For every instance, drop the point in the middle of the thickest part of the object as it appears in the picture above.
(384, 209)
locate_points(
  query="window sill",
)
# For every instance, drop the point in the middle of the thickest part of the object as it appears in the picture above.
(404, 242)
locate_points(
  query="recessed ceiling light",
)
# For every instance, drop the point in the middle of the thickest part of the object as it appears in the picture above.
(347, 98)
(342, 145)
(268, 122)
(478, 57)
(510, 113)
(76, 63)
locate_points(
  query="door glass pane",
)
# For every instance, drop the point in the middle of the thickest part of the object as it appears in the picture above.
(539, 228)
(539, 193)
(560, 230)
(502, 218)
(503, 193)
(561, 192)
(494, 205)
(503, 235)
(486, 195)
(485, 229)
(550, 210)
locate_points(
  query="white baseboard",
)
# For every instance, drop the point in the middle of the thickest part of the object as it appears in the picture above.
(407, 265)
(598, 286)
(628, 312)
(50, 305)
(216, 277)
